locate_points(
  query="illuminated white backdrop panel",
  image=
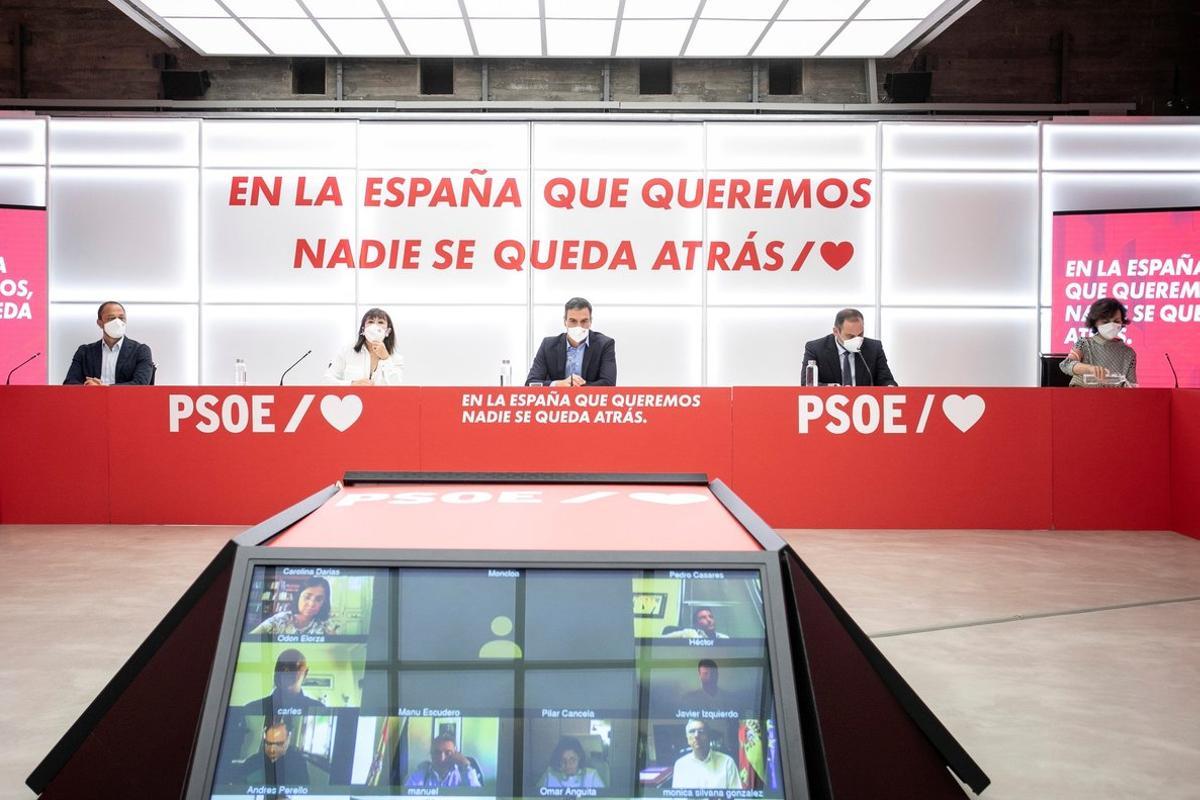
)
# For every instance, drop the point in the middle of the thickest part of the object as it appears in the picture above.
(643, 227)
(945, 263)
(656, 346)
(761, 345)
(23, 186)
(23, 162)
(457, 344)
(806, 231)
(1079, 191)
(124, 232)
(173, 328)
(960, 239)
(270, 337)
(487, 227)
(240, 244)
(980, 346)
(23, 141)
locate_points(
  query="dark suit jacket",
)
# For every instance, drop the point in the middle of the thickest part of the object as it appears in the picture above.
(599, 361)
(829, 363)
(134, 363)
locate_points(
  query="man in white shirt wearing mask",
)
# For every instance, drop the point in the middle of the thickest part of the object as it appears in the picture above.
(848, 358)
(578, 357)
(115, 360)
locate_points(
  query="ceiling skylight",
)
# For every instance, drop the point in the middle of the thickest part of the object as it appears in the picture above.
(551, 28)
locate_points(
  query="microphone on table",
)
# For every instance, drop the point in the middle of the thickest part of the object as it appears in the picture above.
(1172, 366)
(293, 366)
(8, 380)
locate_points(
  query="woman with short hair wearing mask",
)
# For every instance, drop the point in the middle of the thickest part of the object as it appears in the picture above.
(1095, 360)
(372, 361)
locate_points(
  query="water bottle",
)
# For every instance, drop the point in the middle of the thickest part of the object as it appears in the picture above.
(239, 372)
(810, 373)
(505, 372)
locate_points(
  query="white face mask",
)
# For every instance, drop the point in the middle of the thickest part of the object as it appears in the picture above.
(115, 327)
(375, 332)
(1109, 330)
(577, 334)
(853, 345)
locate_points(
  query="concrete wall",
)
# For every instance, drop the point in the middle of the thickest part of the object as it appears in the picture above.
(1001, 51)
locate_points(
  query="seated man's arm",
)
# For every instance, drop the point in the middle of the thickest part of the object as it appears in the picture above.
(75, 374)
(143, 367)
(608, 365)
(537, 372)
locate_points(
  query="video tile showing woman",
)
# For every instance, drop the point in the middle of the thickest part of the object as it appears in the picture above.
(580, 732)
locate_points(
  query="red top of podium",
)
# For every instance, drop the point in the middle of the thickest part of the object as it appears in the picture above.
(522, 516)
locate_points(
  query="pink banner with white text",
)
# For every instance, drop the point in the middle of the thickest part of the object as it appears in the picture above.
(1147, 259)
(23, 294)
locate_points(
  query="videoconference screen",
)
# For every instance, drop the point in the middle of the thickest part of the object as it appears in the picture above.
(521, 683)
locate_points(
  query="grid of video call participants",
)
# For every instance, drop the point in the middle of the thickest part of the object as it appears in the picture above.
(513, 683)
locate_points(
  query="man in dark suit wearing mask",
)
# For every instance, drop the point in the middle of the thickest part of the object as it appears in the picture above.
(116, 359)
(578, 357)
(847, 357)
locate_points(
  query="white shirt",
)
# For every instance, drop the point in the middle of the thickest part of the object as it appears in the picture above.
(718, 771)
(108, 362)
(350, 366)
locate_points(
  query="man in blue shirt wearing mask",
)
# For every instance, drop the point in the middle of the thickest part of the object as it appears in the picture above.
(578, 357)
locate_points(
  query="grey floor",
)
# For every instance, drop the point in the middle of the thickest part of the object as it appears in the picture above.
(1068, 664)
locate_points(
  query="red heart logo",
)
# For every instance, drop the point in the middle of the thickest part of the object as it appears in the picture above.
(837, 254)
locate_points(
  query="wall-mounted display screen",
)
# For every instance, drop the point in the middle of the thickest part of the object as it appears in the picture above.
(514, 683)
(1148, 260)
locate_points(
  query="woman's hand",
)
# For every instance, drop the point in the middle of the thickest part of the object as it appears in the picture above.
(361, 382)
(378, 350)
(1098, 371)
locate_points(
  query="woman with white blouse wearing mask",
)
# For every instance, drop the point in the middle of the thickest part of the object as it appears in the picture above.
(1104, 359)
(372, 360)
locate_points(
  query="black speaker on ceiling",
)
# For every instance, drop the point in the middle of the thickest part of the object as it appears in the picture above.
(185, 84)
(908, 87)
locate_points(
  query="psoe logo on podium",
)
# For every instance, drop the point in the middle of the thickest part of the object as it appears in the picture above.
(891, 413)
(257, 413)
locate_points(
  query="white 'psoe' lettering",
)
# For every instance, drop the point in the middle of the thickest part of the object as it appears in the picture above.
(457, 498)
(866, 414)
(234, 413)
(869, 413)
(237, 413)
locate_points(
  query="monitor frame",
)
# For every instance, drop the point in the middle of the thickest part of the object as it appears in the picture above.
(206, 749)
(1088, 211)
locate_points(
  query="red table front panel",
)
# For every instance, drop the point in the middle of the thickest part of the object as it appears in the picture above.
(829, 458)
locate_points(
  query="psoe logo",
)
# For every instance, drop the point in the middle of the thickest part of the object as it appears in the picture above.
(887, 413)
(235, 413)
